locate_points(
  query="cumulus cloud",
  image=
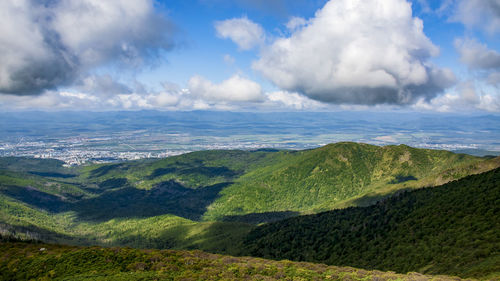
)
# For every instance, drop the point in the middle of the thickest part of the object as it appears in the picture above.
(467, 97)
(46, 44)
(242, 31)
(357, 52)
(483, 14)
(494, 79)
(295, 23)
(477, 55)
(101, 85)
(484, 62)
(234, 93)
(234, 89)
(283, 99)
(50, 100)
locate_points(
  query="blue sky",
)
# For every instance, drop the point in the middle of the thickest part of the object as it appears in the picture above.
(244, 55)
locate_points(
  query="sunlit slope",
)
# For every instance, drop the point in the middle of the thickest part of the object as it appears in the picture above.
(47, 202)
(22, 221)
(337, 175)
(193, 170)
(450, 229)
(198, 200)
(21, 261)
(226, 184)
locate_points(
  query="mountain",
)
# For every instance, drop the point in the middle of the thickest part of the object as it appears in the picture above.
(340, 175)
(216, 200)
(22, 261)
(290, 182)
(208, 199)
(450, 229)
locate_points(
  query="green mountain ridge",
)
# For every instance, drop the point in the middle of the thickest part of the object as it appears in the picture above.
(225, 185)
(209, 200)
(332, 176)
(450, 229)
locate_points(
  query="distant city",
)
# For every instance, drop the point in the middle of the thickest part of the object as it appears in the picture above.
(81, 150)
(82, 137)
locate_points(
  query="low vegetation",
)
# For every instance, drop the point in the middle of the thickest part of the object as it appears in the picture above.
(22, 261)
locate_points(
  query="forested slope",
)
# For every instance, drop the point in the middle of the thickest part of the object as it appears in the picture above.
(208, 199)
(450, 229)
(339, 175)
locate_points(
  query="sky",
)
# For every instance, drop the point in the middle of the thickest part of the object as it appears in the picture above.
(250, 55)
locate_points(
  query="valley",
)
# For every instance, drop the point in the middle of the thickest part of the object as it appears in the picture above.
(345, 203)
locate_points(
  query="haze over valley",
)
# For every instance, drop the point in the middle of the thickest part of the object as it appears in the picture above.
(84, 137)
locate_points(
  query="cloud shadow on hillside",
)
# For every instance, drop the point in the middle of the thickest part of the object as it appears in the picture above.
(258, 218)
(168, 197)
(187, 169)
(372, 199)
(34, 197)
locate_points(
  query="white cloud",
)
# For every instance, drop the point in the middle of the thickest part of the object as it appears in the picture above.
(283, 99)
(483, 62)
(232, 94)
(295, 23)
(50, 100)
(357, 52)
(48, 44)
(483, 14)
(242, 31)
(165, 99)
(130, 101)
(477, 55)
(101, 85)
(490, 103)
(234, 89)
(494, 79)
(469, 96)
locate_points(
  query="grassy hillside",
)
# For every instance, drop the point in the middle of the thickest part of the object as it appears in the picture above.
(21, 261)
(280, 183)
(451, 229)
(192, 170)
(112, 212)
(340, 175)
(208, 199)
(162, 231)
